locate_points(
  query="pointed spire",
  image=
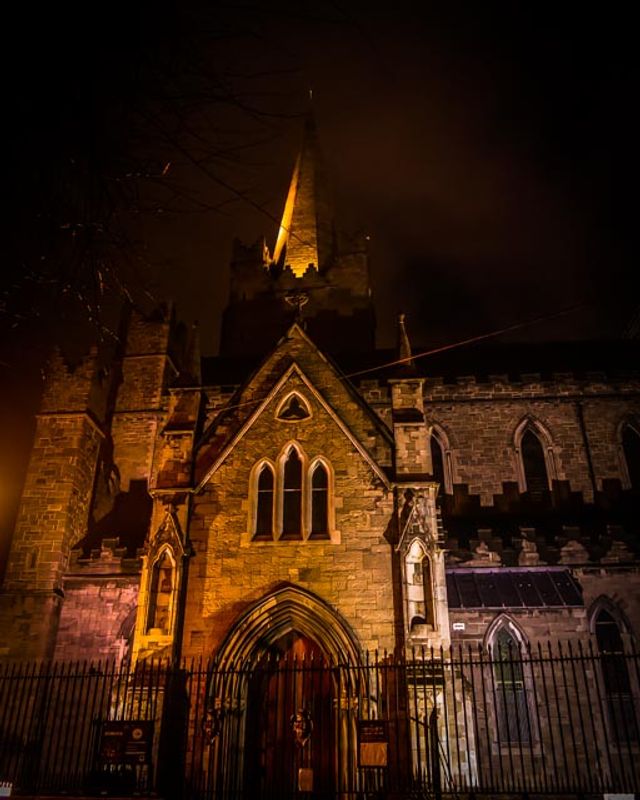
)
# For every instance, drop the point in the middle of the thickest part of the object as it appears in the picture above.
(404, 347)
(305, 234)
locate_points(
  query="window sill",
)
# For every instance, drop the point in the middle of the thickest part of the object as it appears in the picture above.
(249, 540)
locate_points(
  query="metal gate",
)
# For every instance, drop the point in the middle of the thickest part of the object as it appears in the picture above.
(295, 724)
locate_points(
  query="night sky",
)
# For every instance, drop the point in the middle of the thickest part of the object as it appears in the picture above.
(485, 148)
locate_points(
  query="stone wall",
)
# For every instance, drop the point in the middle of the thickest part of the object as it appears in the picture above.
(352, 572)
(480, 419)
(100, 601)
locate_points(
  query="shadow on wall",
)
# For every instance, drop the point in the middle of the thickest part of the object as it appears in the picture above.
(128, 520)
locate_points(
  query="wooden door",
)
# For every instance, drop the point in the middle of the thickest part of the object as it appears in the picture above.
(294, 678)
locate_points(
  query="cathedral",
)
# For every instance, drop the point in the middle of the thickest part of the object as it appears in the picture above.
(307, 496)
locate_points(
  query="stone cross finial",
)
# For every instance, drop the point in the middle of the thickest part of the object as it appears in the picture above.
(297, 300)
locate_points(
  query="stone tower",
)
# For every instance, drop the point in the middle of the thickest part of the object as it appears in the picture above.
(313, 264)
(55, 505)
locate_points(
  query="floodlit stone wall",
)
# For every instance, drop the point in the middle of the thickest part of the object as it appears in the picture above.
(352, 571)
(480, 419)
(100, 600)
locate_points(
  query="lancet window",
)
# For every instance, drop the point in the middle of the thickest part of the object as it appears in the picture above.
(319, 502)
(536, 466)
(615, 677)
(513, 723)
(292, 497)
(264, 511)
(161, 593)
(419, 577)
(294, 501)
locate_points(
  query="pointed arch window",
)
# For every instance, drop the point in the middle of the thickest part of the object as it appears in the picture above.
(437, 460)
(292, 497)
(615, 677)
(264, 511)
(441, 459)
(419, 576)
(631, 451)
(513, 723)
(319, 502)
(161, 592)
(535, 459)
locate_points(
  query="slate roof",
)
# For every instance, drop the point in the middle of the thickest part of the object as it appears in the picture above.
(539, 587)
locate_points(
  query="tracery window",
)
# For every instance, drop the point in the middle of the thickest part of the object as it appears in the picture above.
(293, 409)
(292, 501)
(161, 592)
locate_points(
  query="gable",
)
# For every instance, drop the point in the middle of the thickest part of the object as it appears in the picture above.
(322, 423)
(296, 365)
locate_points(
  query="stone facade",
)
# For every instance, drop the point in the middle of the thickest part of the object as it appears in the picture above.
(156, 512)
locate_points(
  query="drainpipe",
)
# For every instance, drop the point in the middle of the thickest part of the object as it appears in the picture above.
(587, 448)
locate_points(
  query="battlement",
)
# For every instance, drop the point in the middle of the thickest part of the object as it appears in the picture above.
(149, 335)
(573, 546)
(111, 558)
(75, 388)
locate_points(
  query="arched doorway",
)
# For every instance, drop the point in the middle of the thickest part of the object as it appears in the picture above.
(286, 656)
(291, 725)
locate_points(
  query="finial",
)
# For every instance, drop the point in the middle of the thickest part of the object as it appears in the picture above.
(297, 300)
(404, 345)
(310, 95)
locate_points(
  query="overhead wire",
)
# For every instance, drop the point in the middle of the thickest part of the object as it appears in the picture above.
(424, 353)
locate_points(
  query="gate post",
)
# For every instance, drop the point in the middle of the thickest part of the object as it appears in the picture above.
(434, 749)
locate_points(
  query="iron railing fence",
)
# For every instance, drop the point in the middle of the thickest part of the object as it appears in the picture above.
(549, 720)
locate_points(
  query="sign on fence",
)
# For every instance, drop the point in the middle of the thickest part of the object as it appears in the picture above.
(126, 742)
(373, 740)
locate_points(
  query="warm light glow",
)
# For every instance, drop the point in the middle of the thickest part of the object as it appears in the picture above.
(285, 225)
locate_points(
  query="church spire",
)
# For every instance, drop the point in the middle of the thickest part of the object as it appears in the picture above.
(305, 234)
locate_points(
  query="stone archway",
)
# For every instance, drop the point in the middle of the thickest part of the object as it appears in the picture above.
(287, 609)
(286, 655)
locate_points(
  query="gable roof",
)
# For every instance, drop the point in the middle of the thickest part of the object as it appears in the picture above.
(296, 354)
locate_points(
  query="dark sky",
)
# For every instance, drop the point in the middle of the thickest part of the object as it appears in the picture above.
(485, 148)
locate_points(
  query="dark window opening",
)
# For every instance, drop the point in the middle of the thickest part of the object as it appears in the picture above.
(292, 497)
(160, 594)
(535, 466)
(631, 449)
(511, 698)
(615, 677)
(319, 503)
(264, 514)
(437, 461)
(427, 588)
(293, 409)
